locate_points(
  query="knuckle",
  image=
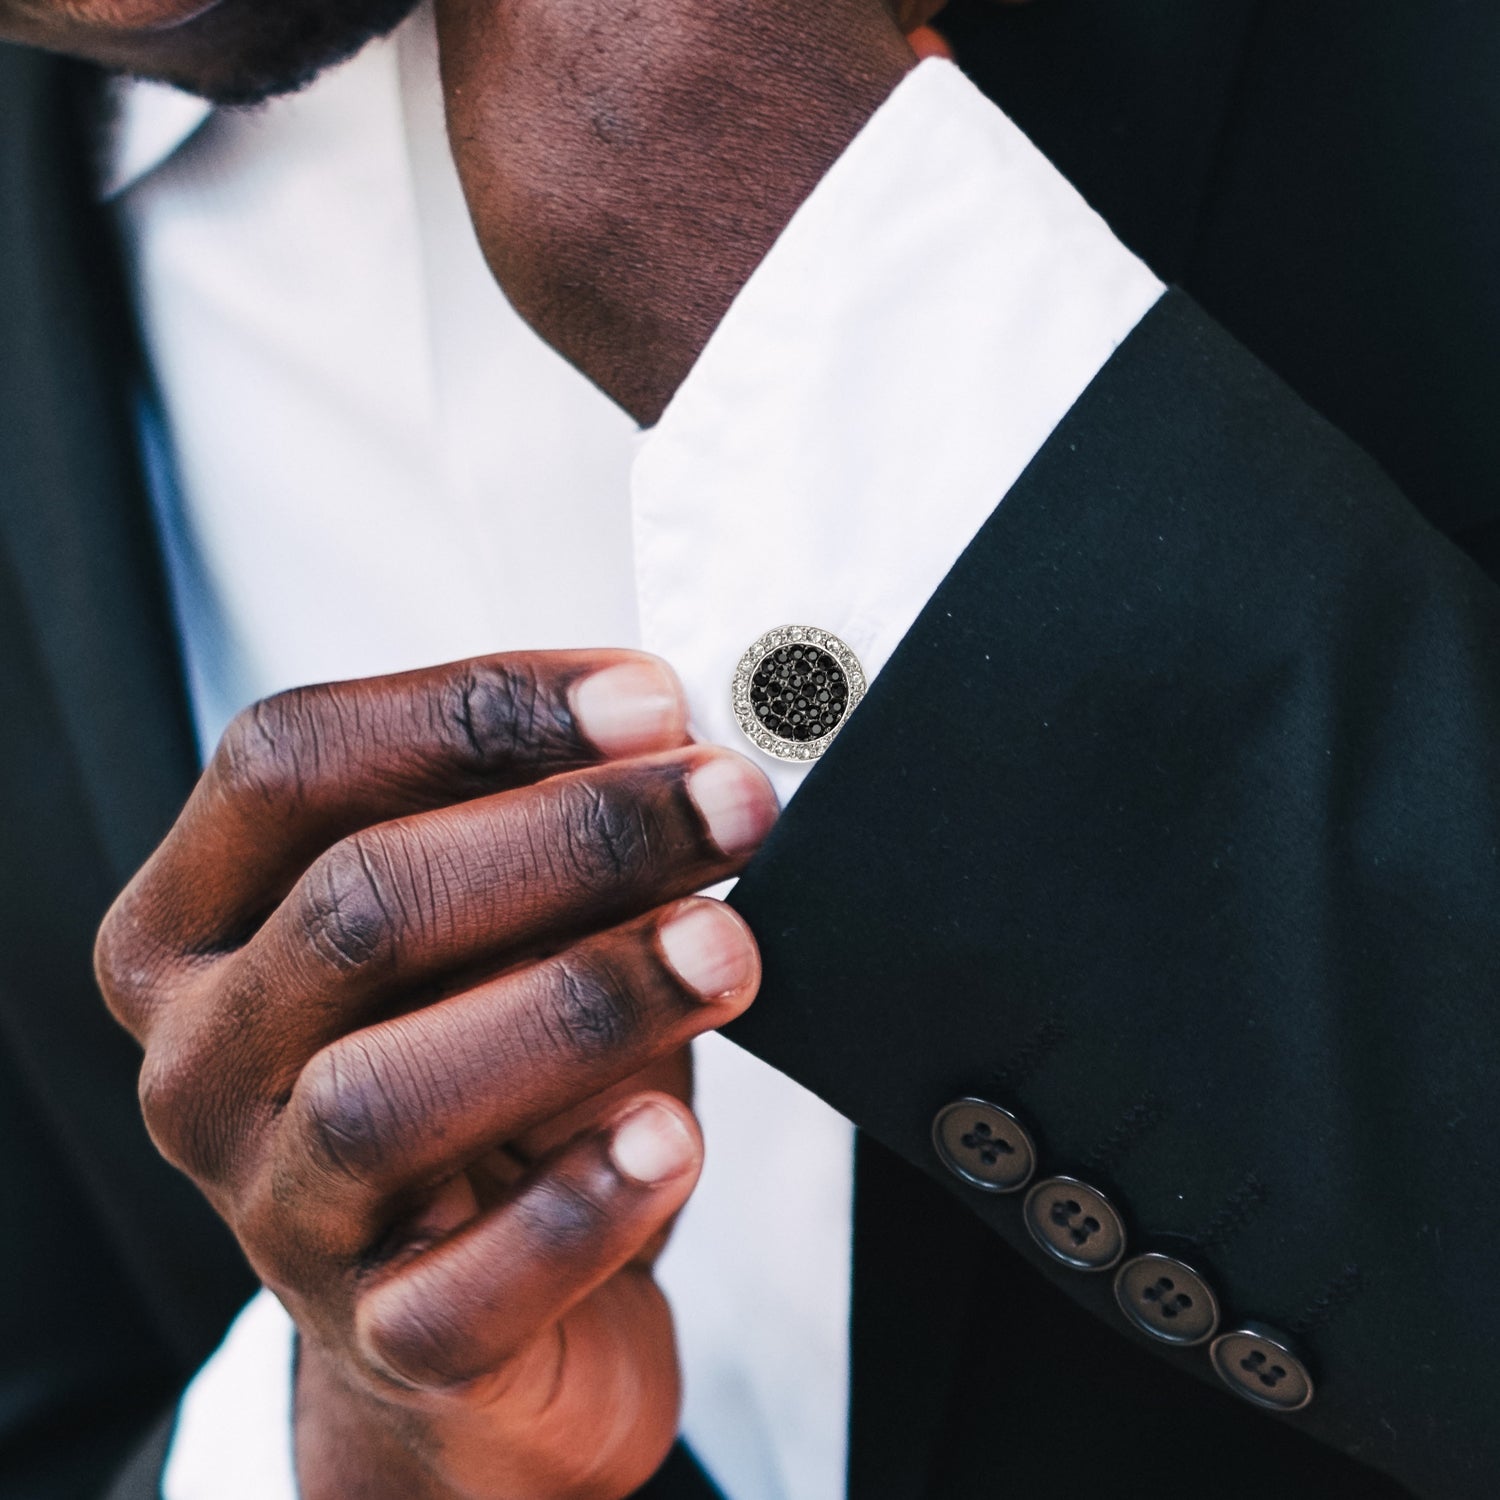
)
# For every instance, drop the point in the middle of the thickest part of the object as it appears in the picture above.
(566, 1219)
(260, 755)
(278, 750)
(344, 1113)
(496, 712)
(417, 1341)
(177, 1104)
(111, 954)
(349, 915)
(159, 1090)
(291, 1236)
(591, 1009)
(606, 837)
(259, 1222)
(126, 965)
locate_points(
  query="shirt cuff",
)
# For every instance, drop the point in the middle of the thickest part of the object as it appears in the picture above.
(907, 346)
(234, 1427)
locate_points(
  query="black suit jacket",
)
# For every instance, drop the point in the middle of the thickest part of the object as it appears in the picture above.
(1173, 826)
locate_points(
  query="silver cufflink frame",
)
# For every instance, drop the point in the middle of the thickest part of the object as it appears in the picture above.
(744, 673)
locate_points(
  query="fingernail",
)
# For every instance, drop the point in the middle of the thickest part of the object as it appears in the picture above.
(709, 950)
(736, 801)
(652, 1145)
(631, 708)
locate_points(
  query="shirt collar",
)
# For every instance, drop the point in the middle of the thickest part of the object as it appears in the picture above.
(149, 123)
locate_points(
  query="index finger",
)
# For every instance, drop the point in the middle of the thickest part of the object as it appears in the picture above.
(296, 773)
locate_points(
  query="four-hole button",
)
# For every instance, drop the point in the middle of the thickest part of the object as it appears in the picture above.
(1167, 1300)
(984, 1145)
(1075, 1224)
(1259, 1364)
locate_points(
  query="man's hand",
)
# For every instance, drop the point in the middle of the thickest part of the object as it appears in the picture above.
(628, 165)
(402, 970)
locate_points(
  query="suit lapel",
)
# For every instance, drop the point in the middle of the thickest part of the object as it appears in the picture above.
(96, 752)
(74, 518)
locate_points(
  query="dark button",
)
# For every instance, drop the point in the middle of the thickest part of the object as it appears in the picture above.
(1075, 1224)
(1167, 1299)
(985, 1145)
(1257, 1363)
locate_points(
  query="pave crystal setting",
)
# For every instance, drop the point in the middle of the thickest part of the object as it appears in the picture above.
(793, 690)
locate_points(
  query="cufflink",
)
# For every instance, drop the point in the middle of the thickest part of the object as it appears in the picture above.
(793, 690)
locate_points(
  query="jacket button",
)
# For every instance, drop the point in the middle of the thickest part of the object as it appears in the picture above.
(984, 1145)
(1075, 1224)
(1257, 1363)
(1167, 1300)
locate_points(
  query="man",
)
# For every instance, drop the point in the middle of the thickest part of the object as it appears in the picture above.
(1169, 826)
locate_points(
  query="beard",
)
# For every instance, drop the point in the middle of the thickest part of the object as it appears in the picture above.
(246, 51)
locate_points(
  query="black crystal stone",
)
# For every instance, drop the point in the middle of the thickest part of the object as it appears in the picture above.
(798, 692)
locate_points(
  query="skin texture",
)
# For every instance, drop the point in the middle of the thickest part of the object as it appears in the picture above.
(408, 971)
(401, 970)
(232, 51)
(627, 166)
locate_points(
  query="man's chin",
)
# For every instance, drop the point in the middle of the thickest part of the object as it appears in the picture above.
(246, 51)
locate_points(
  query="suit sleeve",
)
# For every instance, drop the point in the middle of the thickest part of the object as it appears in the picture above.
(1168, 830)
(1172, 828)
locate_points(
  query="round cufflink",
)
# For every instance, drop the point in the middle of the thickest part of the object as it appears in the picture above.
(794, 689)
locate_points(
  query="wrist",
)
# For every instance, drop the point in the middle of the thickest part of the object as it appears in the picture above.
(348, 1445)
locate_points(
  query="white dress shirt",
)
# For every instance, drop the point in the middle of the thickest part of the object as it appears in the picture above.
(375, 465)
